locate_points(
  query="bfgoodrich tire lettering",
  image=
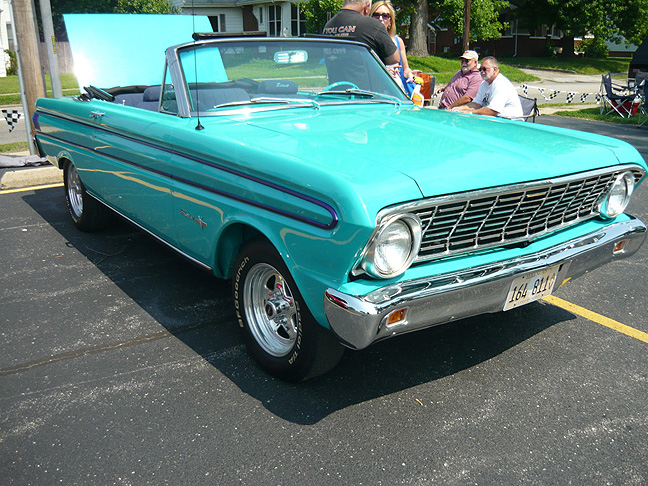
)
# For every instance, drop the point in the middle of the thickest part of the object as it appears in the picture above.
(280, 332)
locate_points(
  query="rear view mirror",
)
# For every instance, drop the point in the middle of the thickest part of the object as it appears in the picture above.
(290, 57)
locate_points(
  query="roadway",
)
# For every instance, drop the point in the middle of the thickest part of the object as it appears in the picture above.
(123, 364)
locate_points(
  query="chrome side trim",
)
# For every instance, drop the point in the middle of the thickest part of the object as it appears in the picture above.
(359, 320)
(161, 240)
(219, 166)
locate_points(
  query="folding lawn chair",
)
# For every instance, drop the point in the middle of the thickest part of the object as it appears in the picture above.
(616, 98)
(642, 91)
(529, 108)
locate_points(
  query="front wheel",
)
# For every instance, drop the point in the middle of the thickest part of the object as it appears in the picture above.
(280, 332)
(87, 213)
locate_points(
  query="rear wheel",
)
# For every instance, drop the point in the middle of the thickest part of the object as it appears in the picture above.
(87, 213)
(281, 334)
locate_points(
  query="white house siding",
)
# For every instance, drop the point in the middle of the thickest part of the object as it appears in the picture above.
(6, 36)
(234, 19)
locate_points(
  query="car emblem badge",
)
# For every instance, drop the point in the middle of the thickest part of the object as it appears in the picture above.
(198, 220)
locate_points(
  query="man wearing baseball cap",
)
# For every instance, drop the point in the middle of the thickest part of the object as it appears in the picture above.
(463, 86)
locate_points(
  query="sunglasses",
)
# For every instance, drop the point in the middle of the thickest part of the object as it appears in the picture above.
(385, 16)
(484, 69)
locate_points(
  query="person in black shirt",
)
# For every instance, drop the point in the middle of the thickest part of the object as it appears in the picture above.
(352, 22)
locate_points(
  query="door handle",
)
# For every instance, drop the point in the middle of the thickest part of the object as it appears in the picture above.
(96, 114)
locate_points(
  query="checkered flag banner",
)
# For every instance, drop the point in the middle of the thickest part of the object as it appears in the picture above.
(12, 117)
(551, 94)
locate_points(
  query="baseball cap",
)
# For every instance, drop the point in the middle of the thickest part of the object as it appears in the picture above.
(470, 55)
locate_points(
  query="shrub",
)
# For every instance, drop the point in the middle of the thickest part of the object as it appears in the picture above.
(594, 47)
(12, 63)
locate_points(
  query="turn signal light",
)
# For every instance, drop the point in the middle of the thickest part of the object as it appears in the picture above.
(620, 247)
(396, 317)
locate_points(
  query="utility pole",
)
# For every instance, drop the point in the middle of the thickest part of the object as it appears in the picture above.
(466, 26)
(28, 60)
(50, 43)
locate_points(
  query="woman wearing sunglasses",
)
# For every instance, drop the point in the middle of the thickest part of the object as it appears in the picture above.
(384, 11)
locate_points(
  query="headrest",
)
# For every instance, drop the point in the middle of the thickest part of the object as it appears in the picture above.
(152, 93)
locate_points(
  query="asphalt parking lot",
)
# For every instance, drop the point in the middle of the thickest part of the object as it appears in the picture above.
(123, 364)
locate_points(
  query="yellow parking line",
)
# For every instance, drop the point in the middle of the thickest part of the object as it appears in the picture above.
(598, 318)
(31, 188)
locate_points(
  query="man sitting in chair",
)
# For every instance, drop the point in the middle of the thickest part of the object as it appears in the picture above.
(496, 96)
(464, 85)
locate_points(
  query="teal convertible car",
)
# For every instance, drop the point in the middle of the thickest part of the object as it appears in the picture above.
(342, 213)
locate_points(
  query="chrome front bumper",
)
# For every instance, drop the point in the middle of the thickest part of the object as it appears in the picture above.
(359, 321)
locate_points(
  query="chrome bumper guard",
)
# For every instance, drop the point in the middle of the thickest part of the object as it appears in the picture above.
(359, 321)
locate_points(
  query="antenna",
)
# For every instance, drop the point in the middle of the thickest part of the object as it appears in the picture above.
(193, 22)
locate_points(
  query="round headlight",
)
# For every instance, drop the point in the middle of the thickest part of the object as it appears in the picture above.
(618, 197)
(394, 247)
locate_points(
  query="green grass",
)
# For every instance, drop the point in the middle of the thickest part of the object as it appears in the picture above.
(577, 64)
(10, 88)
(595, 114)
(443, 69)
(13, 147)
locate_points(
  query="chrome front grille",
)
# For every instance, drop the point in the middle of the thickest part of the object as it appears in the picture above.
(504, 215)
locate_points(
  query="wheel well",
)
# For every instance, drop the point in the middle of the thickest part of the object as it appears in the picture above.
(229, 246)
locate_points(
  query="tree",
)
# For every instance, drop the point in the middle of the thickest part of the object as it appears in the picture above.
(484, 19)
(418, 45)
(60, 7)
(316, 13)
(605, 19)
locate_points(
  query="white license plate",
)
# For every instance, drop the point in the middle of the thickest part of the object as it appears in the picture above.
(531, 287)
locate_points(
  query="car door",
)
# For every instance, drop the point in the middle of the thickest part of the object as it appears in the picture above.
(130, 168)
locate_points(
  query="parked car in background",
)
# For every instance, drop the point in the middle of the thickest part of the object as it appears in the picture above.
(342, 213)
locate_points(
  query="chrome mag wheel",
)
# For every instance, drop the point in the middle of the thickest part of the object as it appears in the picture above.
(271, 311)
(74, 191)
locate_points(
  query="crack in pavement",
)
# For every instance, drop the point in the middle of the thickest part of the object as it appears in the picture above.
(11, 370)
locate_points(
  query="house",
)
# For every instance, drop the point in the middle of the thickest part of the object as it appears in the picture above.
(281, 18)
(515, 41)
(6, 35)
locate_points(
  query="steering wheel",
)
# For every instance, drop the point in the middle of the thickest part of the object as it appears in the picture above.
(340, 83)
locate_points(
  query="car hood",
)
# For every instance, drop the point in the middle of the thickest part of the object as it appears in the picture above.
(443, 152)
(126, 49)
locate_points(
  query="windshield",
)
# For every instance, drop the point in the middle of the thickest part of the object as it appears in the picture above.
(276, 73)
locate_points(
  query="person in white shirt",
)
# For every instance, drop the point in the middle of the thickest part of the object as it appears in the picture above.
(496, 96)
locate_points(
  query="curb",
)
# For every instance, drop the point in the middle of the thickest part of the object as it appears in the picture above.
(32, 176)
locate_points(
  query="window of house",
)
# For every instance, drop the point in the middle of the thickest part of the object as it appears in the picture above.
(555, 32)
(297, 21)
(274, 20)
(218, 23)
(10, 39)
(509, 21)
(540, 31)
